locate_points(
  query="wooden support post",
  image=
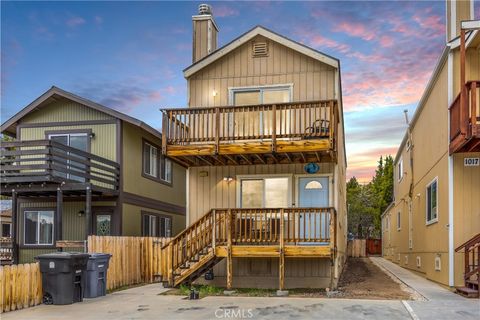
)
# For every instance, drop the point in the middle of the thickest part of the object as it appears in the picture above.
(281, 270)
(164, 132)
(473, 107)
(14, 227)
(59, 216)
(333, 248)
(214, 229)
(217, 129)
(88, 212)
(274, 128)
(229, 250)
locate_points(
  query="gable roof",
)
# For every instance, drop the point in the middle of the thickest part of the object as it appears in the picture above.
(55, 93)
(247, 36)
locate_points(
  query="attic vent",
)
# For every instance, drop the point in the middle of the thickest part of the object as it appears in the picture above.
(260, 49)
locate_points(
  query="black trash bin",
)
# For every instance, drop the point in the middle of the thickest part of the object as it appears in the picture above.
(63, 276)
(96, 278)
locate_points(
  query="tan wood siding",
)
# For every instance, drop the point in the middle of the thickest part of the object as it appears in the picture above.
(311, 79)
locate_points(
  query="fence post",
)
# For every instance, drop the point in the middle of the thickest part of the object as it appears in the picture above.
(170, 270)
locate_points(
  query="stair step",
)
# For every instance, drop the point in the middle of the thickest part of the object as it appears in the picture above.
(467, 292)
(184, 267)
(474, 282)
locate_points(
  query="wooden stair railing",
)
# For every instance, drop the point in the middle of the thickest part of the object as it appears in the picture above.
(471, 275)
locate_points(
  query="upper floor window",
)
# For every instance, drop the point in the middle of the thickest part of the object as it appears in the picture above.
(260, 95)
(400, 169)
(432, 202)
(155, 165)
(399, 221)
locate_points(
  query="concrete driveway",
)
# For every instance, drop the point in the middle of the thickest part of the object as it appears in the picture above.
(145, 303)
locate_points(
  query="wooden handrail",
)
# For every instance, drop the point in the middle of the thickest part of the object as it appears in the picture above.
(469, 243)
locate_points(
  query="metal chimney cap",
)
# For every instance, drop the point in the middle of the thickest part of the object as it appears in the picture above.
(204, 9)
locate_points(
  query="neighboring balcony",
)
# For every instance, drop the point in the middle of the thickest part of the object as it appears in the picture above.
(465, 120)
(38, 166)
(296, 132)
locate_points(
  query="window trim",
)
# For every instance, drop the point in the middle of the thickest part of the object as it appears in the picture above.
(435, 220)
(36, 245)
(144, 213)
(159, 167)
(87, 132)
(399, 220)
(400, 172)
(232, 90)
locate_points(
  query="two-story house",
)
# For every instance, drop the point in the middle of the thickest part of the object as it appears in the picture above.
(77, 168)
(433, 225)
(263, 141)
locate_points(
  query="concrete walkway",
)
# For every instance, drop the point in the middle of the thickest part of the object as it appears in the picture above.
(145, 303)
(440, 302)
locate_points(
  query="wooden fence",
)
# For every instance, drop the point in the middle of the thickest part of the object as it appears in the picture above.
(20, 286)
(134, 259)
(356, 248)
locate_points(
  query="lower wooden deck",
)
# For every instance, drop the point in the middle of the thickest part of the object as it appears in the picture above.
(293, 251)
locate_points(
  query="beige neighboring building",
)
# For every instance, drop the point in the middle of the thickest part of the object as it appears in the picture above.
(437, 169)
(263, 141)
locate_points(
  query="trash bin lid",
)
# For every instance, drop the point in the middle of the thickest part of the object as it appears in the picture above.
(62, 255)
(98, 255)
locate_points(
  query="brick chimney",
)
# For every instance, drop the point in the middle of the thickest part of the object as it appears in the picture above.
(205, 33)
(458, 11)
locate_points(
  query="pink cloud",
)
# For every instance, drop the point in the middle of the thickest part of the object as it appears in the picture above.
(356, 30)
(386, 41)
(75, 21)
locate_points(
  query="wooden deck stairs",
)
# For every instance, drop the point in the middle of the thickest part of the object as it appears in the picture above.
(471, 273)
(260, 232)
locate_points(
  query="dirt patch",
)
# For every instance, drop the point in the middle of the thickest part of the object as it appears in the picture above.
(361, 279)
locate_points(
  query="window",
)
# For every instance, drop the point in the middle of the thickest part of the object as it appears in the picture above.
(78, 140)
(103, 224)
(400, 170)
(156, 226)
(432, 201)
(264, 193)
(38, 227)
(399, 222)
(264, 95)
(6, 230)
(156, 166)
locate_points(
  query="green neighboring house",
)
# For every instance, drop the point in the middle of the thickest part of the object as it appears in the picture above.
(77, 168)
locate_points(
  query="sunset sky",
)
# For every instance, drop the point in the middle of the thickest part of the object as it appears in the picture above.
(130, 56)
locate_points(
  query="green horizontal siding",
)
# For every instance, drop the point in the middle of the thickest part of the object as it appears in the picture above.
(65, 110)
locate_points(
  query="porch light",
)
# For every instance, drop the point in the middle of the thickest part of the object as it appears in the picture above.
(228, 179)
(214, 93)
(81, 213)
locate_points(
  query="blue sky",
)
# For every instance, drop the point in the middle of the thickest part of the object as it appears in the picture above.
(130, 56)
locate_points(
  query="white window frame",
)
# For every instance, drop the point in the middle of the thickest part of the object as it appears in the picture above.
(260, 177)
(400, 169)
(399, 220)
(153, 164)
(427, 205)
(38, 229)
(233, 90)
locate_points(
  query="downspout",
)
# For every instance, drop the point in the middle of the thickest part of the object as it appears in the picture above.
(451, 253)
(410, 190)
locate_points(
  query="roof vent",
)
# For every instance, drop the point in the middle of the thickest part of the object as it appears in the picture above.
(204, 9)
(260, 49)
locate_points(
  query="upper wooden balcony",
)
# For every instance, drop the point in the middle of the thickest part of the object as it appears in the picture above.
(41, 166)
(295, 132)
(465, 120)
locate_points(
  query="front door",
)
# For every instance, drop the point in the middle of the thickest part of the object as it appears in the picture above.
(103, 222)
(313, 192)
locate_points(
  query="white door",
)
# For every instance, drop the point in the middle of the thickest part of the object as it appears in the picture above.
(313, 192)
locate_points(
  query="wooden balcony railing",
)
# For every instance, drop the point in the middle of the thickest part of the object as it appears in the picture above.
(465, 120)
(270, 124)
(45, 161)
(244, 228)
